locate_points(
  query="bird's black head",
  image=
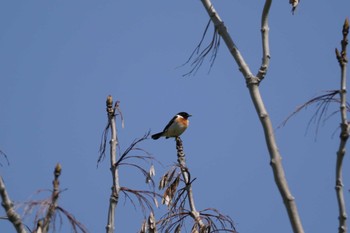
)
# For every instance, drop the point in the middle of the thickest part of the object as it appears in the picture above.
(184, 114)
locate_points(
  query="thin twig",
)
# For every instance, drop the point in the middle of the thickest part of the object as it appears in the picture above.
(5, 156)
(76, 225)
(145, 198)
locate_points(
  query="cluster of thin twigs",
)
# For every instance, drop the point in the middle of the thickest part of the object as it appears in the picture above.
(177, 199)
(324, 101)
(47, 211)
(145, 199)
(178, 214)
(199, 54)
(322, 104)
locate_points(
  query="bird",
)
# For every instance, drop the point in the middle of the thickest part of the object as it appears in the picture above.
(175, 127)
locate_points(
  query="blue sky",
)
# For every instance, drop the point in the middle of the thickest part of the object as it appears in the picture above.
(60, 59)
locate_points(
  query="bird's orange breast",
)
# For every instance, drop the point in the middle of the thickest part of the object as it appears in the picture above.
(182, 122)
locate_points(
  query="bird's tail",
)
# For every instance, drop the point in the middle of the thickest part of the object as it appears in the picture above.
(157, 135)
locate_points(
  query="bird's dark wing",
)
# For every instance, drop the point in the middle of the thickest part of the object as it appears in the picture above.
(170, 122)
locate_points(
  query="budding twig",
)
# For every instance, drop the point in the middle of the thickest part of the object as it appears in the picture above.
(344, 134)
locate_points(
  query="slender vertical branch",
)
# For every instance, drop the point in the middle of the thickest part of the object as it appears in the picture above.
(344, 134)
(186, 176)
(114, 170)
(54, 198)
(12, 215)
(265, 41)
(253, 86)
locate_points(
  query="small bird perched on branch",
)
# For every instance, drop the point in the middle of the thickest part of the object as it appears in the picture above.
(175, 127)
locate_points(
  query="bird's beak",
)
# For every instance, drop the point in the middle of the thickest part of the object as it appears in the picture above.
(189, 115)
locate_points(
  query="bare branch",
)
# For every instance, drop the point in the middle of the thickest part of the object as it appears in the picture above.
(113, 200)
(344, 134)
(276, 160)
(253, 86)
(341, 57)
(265, 41)
(111, 113)
(188, 185)
(126, 158)
(54, 198)
(7, 204)
(322, 103)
